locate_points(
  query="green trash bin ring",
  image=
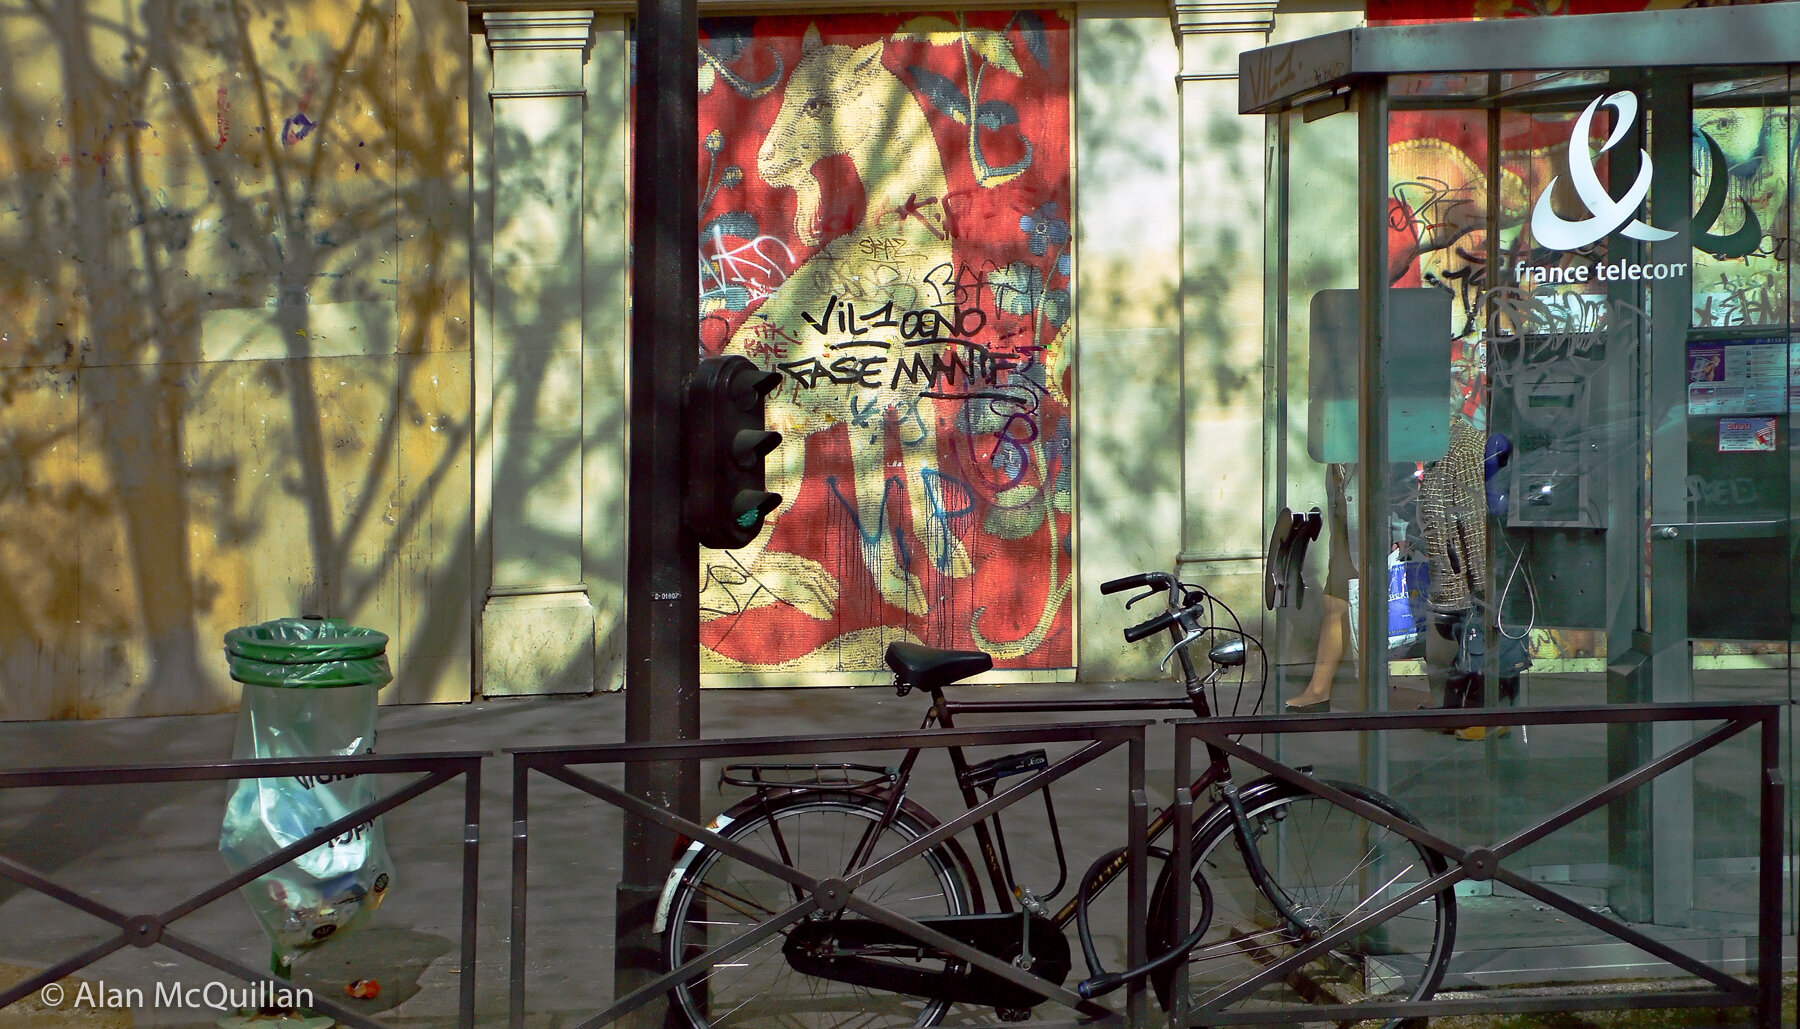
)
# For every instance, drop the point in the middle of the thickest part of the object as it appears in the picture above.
(308, 653)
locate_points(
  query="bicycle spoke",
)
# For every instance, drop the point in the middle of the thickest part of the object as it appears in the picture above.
(819, 836)
(1236, 943)
(747, 964)
(1301, 841)
(742, 906)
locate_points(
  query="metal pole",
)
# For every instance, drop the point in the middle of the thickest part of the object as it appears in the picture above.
(1668, 107)
(1372, 410)
(662, 620)
(1628, 642)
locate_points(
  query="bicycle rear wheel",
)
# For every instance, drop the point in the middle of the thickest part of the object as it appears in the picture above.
(720, 897)
(1329, 865)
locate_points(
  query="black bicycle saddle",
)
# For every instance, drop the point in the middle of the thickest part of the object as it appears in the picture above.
(928, 668)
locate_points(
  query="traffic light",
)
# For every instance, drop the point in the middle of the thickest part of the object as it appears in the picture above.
(726, 442)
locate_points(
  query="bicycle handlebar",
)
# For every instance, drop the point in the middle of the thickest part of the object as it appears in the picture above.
(1188, 616)
(1181, 598)
(1155, 625)
(1131, 582)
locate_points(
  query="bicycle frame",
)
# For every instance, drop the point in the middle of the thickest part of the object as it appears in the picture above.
(992, 844)
(840, 947)
(1216, 776)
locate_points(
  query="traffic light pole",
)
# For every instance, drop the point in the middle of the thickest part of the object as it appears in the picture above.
(662, 615)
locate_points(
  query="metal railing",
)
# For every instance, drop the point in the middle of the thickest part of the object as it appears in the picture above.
(840, 892)
(154, 929)
(1483, 862)
(1478, 862)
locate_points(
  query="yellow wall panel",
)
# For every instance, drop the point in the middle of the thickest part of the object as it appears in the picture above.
(432, 538)
(234, 342)
(142, 589)
(40, 511)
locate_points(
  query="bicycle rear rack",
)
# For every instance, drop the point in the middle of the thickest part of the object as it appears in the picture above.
(839, 777)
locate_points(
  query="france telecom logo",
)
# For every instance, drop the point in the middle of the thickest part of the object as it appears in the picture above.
(1607, 215)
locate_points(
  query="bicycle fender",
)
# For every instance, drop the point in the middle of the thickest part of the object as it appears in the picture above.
(664, 902)
(1251, 793)
(719, 823)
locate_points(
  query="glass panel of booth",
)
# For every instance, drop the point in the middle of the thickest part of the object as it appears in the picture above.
(1522, 259)
(1466, 86)
(1515, 86)
(1742, 201)
(1737, 396)
(1318, 204)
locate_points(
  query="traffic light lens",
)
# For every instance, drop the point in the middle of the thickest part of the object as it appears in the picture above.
(727, 441)
(751, 506)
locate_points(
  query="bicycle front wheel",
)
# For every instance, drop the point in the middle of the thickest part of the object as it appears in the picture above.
(720, 898)
(1328, 865)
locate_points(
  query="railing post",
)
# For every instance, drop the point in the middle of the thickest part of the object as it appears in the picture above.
(1768, 907)
(1184, 859)
(520, 811)
(1136, 894)
(471, 889)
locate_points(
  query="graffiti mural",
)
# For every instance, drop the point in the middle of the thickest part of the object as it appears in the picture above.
(885, 223)
(1743, 156)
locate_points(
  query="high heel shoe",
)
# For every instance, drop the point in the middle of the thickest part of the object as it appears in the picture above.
(1476, 733)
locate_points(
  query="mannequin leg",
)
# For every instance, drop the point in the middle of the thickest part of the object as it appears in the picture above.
(1331, 651)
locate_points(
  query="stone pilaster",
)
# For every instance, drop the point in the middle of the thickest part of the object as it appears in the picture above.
(1222, 201)
(537, 631)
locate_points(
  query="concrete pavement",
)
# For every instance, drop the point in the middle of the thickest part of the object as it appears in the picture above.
(144, 848)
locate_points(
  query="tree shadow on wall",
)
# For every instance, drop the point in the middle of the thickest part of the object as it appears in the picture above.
(234, 369)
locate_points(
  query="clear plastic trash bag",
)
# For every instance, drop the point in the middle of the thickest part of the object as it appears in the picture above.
(336, 886)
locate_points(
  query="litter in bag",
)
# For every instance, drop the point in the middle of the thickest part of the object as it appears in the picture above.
(337, 885)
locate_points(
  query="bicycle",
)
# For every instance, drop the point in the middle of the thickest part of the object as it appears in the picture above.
(1274, 867)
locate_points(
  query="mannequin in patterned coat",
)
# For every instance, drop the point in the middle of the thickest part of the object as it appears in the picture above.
(1453, 515)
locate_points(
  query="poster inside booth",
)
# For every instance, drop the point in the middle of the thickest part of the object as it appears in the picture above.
(886, 223)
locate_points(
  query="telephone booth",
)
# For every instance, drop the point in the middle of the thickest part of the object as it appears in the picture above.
(1542, 399)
